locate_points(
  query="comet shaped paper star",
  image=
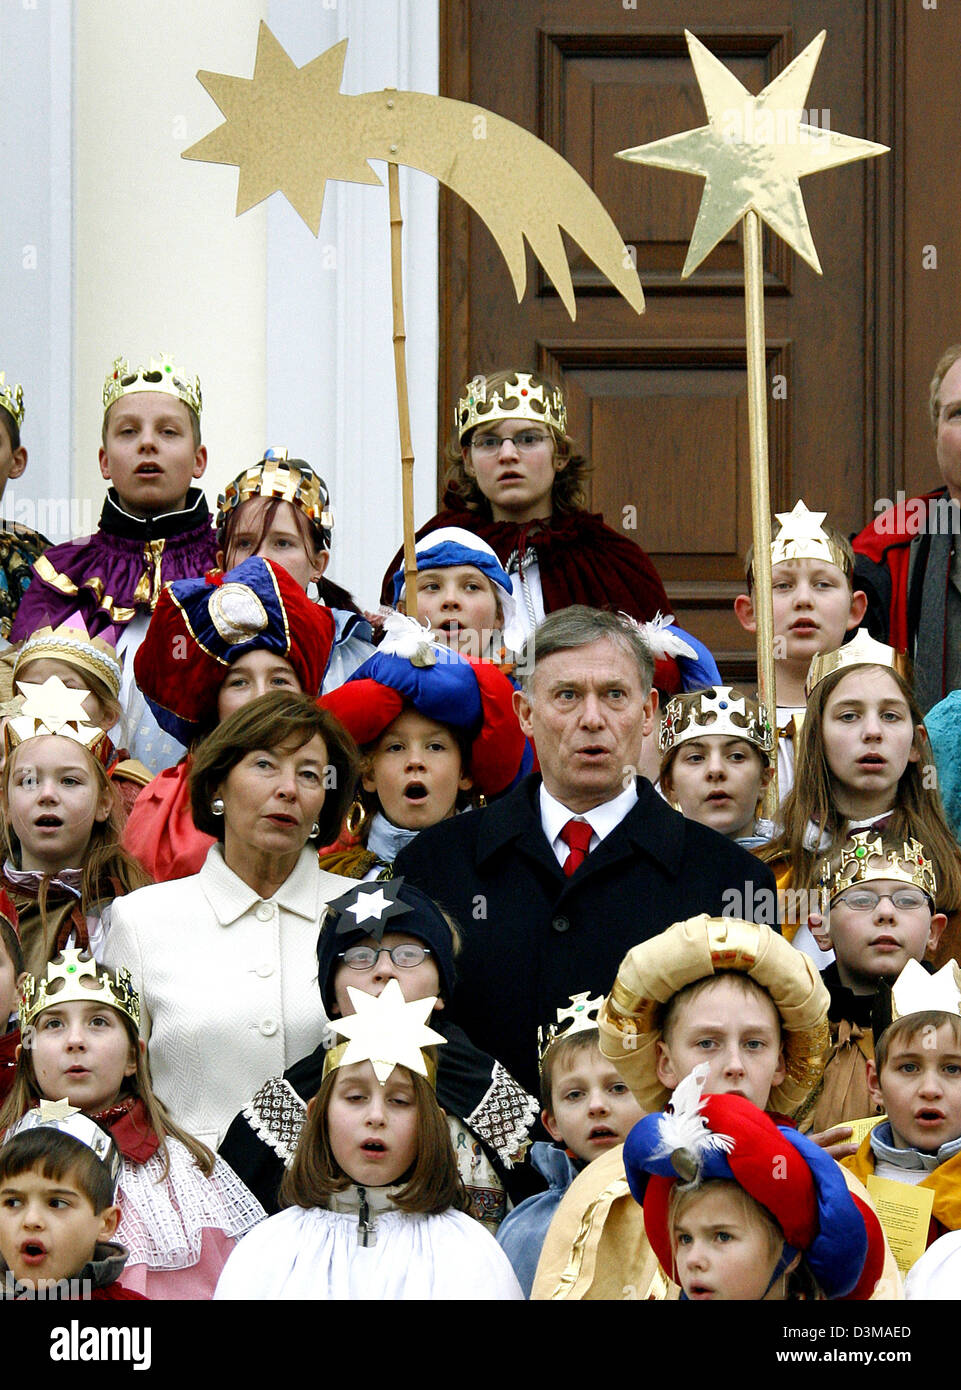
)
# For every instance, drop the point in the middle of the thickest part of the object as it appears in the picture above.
(290, 129)
(752, 152)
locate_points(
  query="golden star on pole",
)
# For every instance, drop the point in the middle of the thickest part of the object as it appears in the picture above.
(752, 152)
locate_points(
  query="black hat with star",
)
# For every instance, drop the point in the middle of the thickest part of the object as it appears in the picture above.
(369, 910)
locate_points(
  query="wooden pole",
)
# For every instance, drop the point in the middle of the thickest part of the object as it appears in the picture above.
(400, 375)
(760, 486)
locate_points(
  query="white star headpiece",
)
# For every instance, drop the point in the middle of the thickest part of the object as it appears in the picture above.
(54, 708)
(802, 537)
(386, 1031)
(915, 991)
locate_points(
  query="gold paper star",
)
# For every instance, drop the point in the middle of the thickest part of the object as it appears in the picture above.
(387, 1031)
(57, 1110)
(752, 152)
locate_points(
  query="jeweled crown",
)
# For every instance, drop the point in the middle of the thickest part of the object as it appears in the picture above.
(719, 709)
(11, 398)
(287, 480)
(509, 401)
(862, 650)
(71, 644)
(78, 972)
(578, 1017)
(867, 856)
(161, 375)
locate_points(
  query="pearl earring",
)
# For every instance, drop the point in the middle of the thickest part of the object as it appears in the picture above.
(217, 806)
(315, 830)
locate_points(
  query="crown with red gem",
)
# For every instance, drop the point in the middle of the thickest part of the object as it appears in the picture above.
(11, 398)
(77, 970)
(516, 399)
(867, 856)
(578, 1017)
(161, 375)
(719, 709)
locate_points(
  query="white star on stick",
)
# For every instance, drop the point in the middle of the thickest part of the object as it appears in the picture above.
(387, 1031)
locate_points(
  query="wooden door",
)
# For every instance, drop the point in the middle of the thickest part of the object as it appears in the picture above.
(659, 401)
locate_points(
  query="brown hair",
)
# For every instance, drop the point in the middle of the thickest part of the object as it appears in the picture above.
(10, 943)
(26, 1092)
(917, 811)
(559, 1052)
(837, 537)
(945, 362)
(909, 1027)
(568, 493)
(13, 429)
(433, 1185)
(281, 717)
(58, 1156)
(741, 981)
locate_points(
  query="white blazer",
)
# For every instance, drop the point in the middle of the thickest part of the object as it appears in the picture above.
(227, 981)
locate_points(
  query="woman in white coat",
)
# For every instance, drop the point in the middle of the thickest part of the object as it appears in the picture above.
(225, 960)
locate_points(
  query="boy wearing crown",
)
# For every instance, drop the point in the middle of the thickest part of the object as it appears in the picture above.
(155, 527)
(880, 895)
(587, 1110)
(815, 606)
(915, 1079)
(19, 546)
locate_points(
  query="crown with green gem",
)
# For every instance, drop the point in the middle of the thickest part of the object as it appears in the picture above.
(11, 398)
(719, 709)
(73, 975)
(578, 1017)
(867, 856)
(516, 399)
(161, 375)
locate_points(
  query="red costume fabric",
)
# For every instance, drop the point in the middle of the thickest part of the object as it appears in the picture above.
(160, 832)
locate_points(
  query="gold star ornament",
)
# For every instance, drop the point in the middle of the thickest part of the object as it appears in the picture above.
(386, 1031)
(53, 708)
(752, 152)
(802, 537)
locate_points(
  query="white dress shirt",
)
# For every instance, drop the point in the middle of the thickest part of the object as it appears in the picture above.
(602, 819)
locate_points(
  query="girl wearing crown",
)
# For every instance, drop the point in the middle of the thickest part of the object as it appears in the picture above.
(61, 817)
(515, 481)
(375, 1208)
(280, 510)
(862, 762)
(181, 1209)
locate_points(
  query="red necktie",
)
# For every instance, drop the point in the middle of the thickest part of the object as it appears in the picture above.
(577, 834)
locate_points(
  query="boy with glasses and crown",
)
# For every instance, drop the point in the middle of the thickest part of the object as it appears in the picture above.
(155, 527)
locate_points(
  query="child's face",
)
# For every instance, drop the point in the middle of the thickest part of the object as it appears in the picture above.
(254, 674)
(372, 1128)
(461, 607)
(416, 982)
(717, 780)
(517, 481)
(282, 543)
(48, 1227)
(12, 461)
(813, 609)
(416, 771)
(875, 943)
(868, 739)
(737, 1034)
(920, 1088)
(82, 1053)
(150, 456)
(592, 1108)
(36, 672)
(721, 1253)
(54, 799)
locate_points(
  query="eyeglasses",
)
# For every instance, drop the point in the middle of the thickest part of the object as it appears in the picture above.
(407, 957)
(866, 900)
(524, 443)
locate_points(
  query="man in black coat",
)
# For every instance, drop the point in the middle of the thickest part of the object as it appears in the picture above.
(552, 884)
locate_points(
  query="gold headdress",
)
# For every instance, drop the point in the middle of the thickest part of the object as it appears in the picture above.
(525, 401)
(580, 1016)
(11, 398)
(802, 537)
(720, 709)
(915, 991)
(867, 856)
(161, 375)
(288, 480)
(54, 708)
(386, 1031)
(71, 643)
(67, 1119)
(862, 650)
(80, 981)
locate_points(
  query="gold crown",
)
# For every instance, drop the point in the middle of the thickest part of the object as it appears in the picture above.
(867, 856)
(387, 1031)
(55, 709)
(71, 643)
(78, 971)
(11, 398)
(288, 480)
(916, 992)
(525, 402)
(720, 709)
(67, 1119)
(161, 375)
(862, 650)
(802, 537)
(579, 1017)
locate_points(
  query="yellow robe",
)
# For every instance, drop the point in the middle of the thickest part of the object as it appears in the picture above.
(946, 1181)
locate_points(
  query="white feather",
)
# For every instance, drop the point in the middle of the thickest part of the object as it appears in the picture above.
(664, 643)
(683, 1126)
(404, 636)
